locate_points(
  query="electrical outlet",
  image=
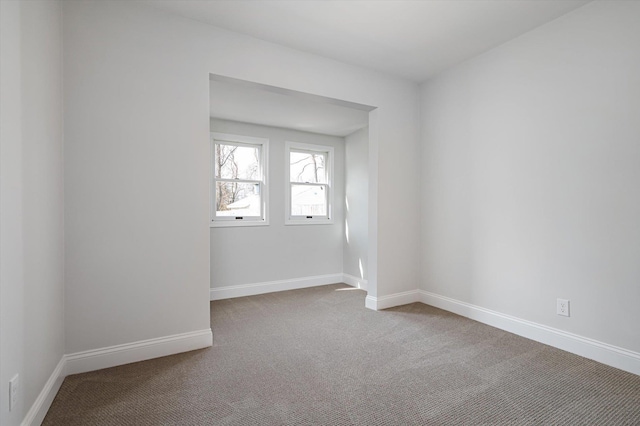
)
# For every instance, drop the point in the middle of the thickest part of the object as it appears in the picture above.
(562, 307)
(14, 388)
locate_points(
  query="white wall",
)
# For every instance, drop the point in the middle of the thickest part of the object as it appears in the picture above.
(356, 238)
(32, 335)
(531, 156)
(136, 180)
(11, 255)
(43, 193)
(136, 164)
(255, 254)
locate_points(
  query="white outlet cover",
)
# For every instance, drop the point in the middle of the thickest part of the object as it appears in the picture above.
(14, 387)
(562, 307)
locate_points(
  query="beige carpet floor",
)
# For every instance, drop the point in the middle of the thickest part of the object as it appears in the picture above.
(318, 357)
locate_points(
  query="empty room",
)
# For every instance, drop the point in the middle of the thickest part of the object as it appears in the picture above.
(319, 212)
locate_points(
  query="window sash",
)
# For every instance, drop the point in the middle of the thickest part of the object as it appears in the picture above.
(235, 217)
(325, 168)
(327, 152)
(240, 144)
(261, 147)
(311, 216)
(248, 181)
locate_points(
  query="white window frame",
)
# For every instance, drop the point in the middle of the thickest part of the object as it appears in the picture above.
(263, 145)
(305, 220)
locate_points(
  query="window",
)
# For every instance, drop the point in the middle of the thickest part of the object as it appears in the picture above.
(309, 174)
(239, 185)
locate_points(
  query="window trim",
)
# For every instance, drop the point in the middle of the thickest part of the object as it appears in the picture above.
(305, 147)
(239, 140)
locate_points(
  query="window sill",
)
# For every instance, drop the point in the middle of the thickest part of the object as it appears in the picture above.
(235, 224)
(296, 222)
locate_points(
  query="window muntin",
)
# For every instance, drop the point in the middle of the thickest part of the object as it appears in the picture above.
(238, 196)
(309, 173)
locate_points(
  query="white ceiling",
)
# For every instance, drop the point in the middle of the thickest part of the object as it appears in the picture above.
(410, 39)
(252, 104)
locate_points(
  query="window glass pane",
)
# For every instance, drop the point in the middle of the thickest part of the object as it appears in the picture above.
(308, 200)
(308, 167)
(237, 199)
(237, 162)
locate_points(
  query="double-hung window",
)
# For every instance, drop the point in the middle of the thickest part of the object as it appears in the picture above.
(239, 181)
(309, 170)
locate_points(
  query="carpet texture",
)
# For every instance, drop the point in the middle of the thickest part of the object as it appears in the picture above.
(317, 357)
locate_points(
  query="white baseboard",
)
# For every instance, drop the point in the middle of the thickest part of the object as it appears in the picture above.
(370, 303)
(112, 356)
(589, 348)
(397, 299)
(242, 290)
(354, 281)
(605, 353)
(97, 359)
(41, 405)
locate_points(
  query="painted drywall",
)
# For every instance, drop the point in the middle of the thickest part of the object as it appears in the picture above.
(530, 171)
(43, 195)
(136, 89)
(11, 255)
(355, 259)
(256, 254)
(31, 292)
(249, 104)
(136, 182)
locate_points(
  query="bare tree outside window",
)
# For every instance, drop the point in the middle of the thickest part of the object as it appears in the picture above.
(225, 160)
(308, 179)
(237, 172)
(308, 167)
